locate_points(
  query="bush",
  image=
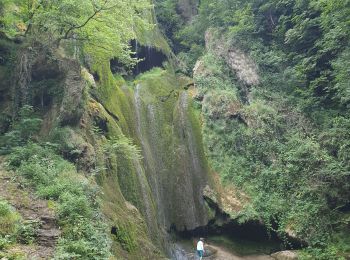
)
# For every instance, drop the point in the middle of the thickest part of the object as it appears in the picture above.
(63, 183)
(72, 206)
(9, 219)
(84, 235)
(27, 231)
(4, 242)
(24, 129)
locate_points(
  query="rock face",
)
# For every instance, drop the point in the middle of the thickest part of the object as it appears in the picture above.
(239, 62)
(285, 255)
(173, 157)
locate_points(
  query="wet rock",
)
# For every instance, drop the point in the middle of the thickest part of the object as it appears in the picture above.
(209, 251)
(285, 255)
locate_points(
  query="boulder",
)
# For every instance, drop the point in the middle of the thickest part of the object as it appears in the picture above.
(285, 255)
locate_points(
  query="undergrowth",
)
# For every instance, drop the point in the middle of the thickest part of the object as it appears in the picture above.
(84, 234)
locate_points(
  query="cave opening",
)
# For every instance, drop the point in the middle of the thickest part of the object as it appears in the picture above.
(149, 58)
(251, 237)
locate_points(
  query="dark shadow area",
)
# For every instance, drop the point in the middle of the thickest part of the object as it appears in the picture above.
(251, 233)
(117, 67)
(149, 56)
(251, 230)
(96, 76)
(101, 124)
(114, 230)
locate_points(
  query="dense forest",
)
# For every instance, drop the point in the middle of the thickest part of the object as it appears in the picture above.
(121, 119)
(284, 139)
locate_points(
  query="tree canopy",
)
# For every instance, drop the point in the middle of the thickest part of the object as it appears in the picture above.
(102, 27)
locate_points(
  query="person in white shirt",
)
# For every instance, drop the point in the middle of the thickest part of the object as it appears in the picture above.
(200, 248)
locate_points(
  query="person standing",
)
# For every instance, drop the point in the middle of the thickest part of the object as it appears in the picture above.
(200, 248)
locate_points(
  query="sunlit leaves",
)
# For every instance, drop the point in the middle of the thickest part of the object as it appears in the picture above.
(102, 27)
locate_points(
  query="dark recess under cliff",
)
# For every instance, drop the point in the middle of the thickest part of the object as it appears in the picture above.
(251, 231)
(149, 58)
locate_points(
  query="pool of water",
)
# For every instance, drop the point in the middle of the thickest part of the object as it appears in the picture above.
(225, 247)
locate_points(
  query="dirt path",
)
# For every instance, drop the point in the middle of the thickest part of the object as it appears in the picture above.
(32, 210)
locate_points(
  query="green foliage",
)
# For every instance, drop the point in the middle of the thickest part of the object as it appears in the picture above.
(13, 229)
(9, 219)
(67, 142)
(84, 234)
(27, 231)
(9, 224)
(4, 242)
(23, 130)
(123, 147)
(125, 237)
(102, 28)
(333, 250)
(83, 240)
(73, 206)
(169, 20)
(288, 148)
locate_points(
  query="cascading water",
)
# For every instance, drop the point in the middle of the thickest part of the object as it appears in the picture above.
(146, 151)
(171, 161)
(149, 207)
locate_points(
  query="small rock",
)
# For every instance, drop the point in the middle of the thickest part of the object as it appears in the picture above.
(209, 193)
(285, 255)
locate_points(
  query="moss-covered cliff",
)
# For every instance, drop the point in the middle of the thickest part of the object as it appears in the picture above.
(139, 141)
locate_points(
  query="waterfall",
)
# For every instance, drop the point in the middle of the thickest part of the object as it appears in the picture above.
(149, 209)
(150, 162)
(173, 168)
(183, 103)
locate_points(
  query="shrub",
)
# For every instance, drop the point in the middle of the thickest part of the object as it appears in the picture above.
(24, 129)
(72, 206)
(4, 242)
(27, 231)
(84, 235)
(9, 219)
(124, 236)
